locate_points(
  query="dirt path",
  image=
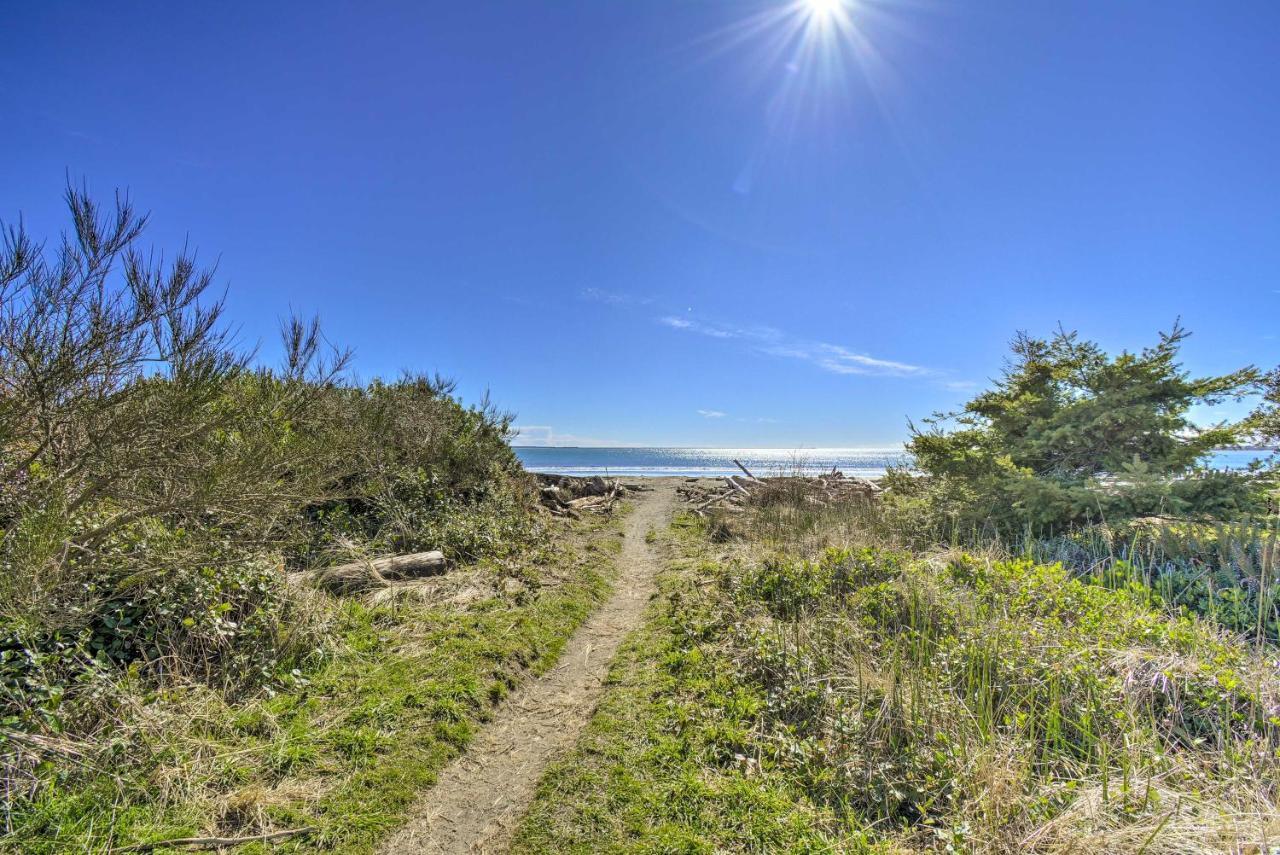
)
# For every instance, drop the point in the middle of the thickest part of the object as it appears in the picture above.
(483, 793)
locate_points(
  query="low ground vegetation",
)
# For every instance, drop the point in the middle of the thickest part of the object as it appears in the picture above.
(674, 760)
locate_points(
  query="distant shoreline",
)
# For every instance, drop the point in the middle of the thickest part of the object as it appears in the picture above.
(792, 448)
(783, 448)
(638, 461)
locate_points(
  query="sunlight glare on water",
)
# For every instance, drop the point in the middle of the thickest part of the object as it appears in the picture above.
(709, 462)
(657, 462)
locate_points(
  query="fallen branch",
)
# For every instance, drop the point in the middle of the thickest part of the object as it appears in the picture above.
(746, 471)
(591, 503)
(719, 497)
(215, 842)
(366, 575)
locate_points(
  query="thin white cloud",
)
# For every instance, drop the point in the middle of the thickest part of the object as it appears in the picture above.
(613, 298)
(841, 360)
(787, 351)
(712, 414)
(545, 436)
(834, 358)
(711, 330)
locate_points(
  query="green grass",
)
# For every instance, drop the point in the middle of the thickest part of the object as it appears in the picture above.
(350, 747)
(673, 761)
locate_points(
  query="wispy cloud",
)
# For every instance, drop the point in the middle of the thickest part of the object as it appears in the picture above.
(835, 358)
(698, 327)
(613, 298)
(841, 360)
(546, 436)
(712, 414)
(960, 385)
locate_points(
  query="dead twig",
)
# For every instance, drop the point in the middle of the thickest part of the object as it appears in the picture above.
(216, 842)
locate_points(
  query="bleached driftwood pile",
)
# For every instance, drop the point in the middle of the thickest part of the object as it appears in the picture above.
(836, 487)
(567, 496)
(739, 490)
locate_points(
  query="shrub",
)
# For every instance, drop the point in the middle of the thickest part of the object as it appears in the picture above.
(154, 484)
(418, 470)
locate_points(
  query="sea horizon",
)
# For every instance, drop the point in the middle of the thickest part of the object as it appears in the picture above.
(657, 461)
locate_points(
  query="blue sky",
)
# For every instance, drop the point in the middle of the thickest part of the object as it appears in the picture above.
(686, 223)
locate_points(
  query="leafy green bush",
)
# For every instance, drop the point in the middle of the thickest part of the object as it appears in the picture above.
(792, 589)
(157, 617)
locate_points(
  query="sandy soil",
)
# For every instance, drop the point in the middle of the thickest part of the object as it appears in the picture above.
(482, 794)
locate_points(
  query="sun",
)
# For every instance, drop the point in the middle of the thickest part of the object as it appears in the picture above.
(825, 19)
(823, 10)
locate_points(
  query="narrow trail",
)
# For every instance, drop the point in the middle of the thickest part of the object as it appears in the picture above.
(480, 796)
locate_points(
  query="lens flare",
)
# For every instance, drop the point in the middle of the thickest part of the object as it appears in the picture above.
(825, 18)
(823, 10)
(817, 74)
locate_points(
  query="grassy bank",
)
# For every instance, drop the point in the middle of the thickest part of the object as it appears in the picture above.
(808, 685)
(351, 743)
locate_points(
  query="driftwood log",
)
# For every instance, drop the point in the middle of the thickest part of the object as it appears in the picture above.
(359, 576)
(719, 497)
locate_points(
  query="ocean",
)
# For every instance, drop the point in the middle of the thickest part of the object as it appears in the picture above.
(717, 462)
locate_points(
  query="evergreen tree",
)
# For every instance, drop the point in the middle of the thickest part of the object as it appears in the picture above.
(1070, 434)
(1265, 421)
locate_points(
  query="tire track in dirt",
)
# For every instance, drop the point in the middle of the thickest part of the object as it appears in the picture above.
(481, 795)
